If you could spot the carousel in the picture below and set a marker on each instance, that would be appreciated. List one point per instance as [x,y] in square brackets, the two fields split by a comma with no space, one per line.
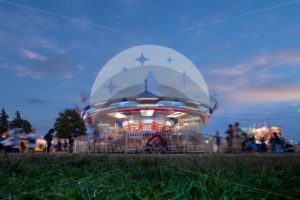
[148,98]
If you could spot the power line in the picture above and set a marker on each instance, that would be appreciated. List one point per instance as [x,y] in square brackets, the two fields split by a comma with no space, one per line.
[62,16]
[241,15]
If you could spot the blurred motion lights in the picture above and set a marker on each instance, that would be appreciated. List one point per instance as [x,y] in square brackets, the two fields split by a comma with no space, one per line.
[117,115]
[176,114]
[147,113]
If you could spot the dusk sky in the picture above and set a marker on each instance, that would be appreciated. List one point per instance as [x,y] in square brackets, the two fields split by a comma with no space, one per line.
[248,52]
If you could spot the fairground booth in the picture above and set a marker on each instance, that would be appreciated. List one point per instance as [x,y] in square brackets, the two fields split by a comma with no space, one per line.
[149,97]
[265,133]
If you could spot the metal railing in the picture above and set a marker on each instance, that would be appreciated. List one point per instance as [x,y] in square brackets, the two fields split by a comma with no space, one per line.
[174,144]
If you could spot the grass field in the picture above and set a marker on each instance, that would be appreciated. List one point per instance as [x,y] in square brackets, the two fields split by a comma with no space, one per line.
[95,176]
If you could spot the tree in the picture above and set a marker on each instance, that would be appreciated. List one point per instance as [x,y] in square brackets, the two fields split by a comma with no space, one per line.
[18,122]
[3,121]
[69,122]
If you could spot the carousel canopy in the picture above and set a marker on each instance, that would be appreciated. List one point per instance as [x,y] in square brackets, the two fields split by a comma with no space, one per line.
[150,71]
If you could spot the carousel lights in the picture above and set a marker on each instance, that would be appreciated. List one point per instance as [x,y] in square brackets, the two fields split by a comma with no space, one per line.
[176,114]
[168,123]
[146,99]
[117,115]
[103,125]
[147,113]
[170,103]
[123,104]
[146,105]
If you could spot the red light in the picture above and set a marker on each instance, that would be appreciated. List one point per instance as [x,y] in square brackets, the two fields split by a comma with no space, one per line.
[5,135]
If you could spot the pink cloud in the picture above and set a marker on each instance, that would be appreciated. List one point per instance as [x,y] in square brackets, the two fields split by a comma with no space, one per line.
[283,94]
[261,62]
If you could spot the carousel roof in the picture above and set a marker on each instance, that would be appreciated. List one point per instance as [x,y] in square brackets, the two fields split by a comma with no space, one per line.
[168,75]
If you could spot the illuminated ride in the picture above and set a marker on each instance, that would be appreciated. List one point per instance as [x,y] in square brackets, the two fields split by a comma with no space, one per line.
[265,132]
[152,95]
[10,141]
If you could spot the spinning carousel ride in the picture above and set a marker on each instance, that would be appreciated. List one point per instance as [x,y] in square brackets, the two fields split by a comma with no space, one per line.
[150,94]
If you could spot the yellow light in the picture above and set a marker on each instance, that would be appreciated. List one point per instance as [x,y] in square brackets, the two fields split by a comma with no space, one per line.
[147,113]
[117,115]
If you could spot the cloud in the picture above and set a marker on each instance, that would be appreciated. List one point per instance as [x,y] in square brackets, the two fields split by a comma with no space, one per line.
[24,71]
[21,32]
[225,85]
[283,94]
[259,79]
[250,34]
[225,19]
[34,101]
[27,30]
[57,67]
[294,28]
[221,47]
[58,15]
[32,55]
[27,44]
[39,55]
[24,22]
[3,62]
[261,62]
[67,83]
[45,43]
[80,67]
[129,6]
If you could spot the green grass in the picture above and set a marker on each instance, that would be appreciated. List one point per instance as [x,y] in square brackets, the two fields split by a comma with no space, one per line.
[95,176]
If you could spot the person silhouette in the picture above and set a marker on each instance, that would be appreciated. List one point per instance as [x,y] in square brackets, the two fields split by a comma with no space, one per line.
[49,137]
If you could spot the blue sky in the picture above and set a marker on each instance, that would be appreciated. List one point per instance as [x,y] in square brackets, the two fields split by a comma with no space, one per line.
[248,52]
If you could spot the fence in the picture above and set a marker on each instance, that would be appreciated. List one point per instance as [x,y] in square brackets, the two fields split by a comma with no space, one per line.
[146,143]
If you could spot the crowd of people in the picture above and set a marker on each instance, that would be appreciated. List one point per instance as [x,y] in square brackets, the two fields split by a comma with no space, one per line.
[59,145]
[238,140]
[53,144]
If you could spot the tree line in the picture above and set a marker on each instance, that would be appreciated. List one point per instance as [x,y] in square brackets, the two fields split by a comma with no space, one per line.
[67,124]
[17,122]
